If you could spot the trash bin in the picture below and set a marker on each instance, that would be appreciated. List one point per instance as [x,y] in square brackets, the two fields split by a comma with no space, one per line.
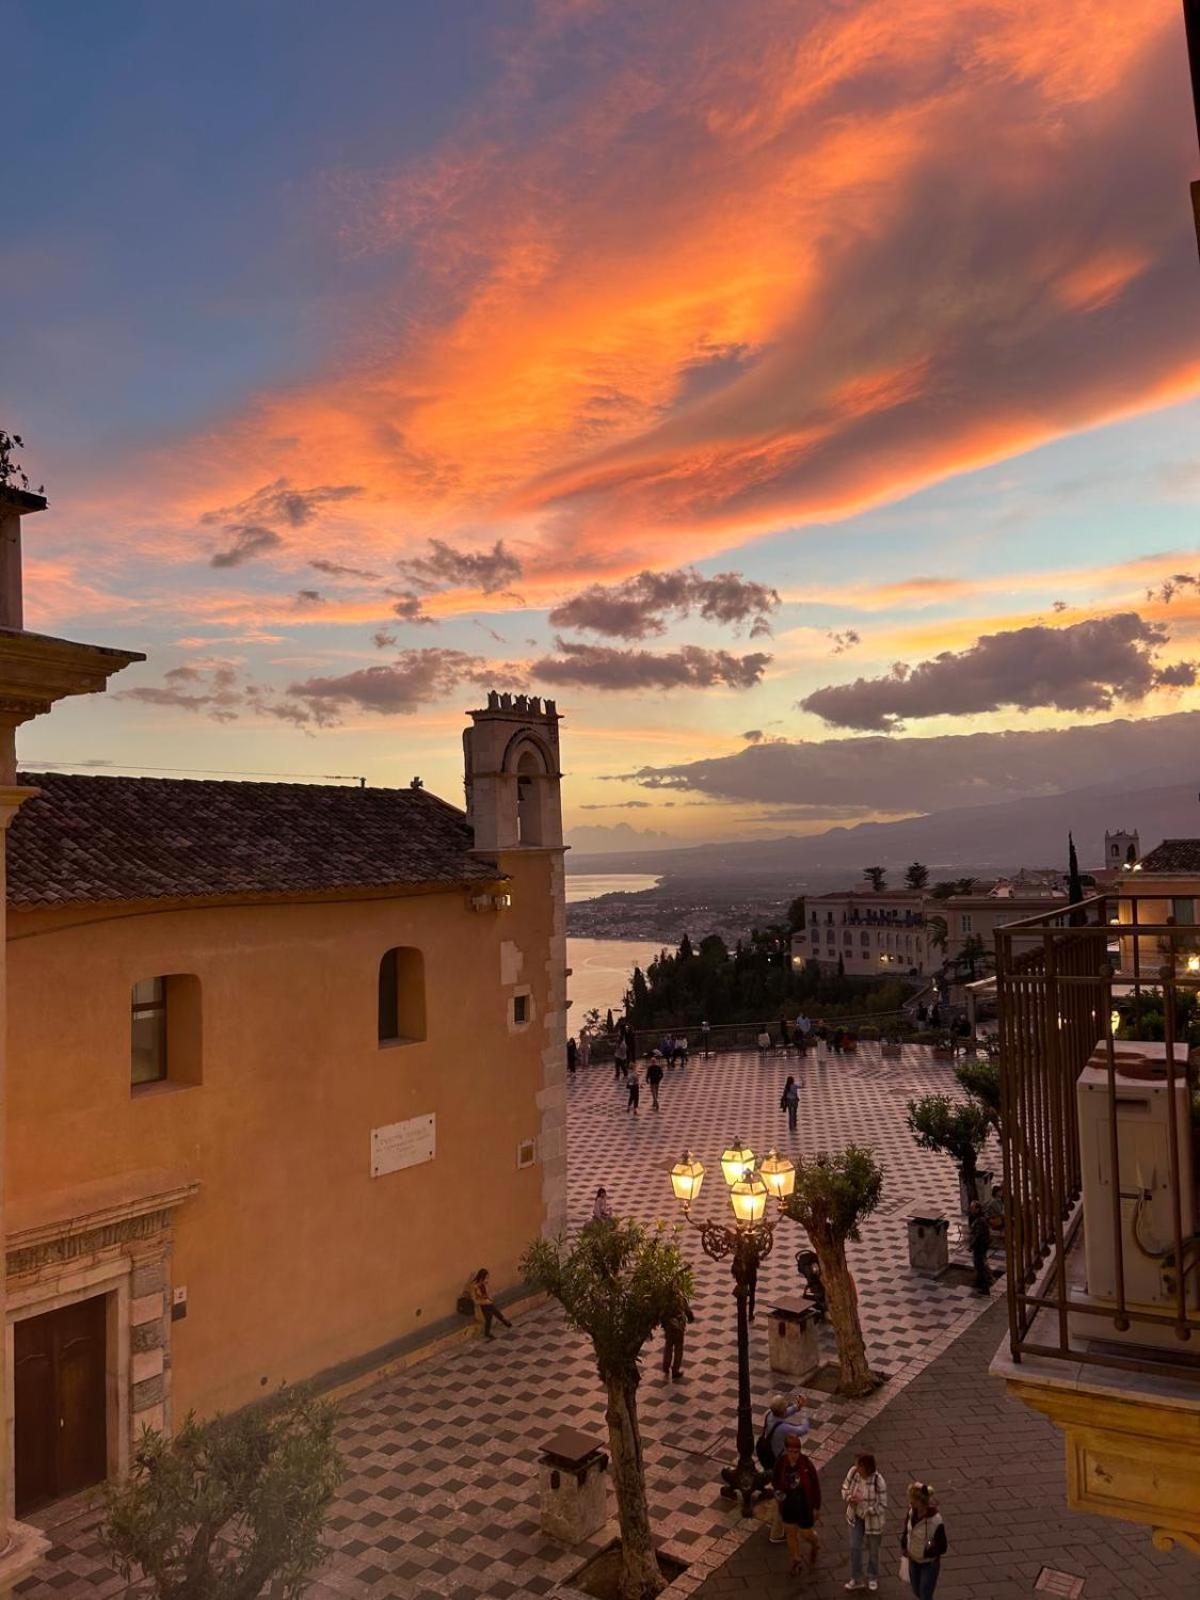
[792,1337]
[572,1486]
[928,1244]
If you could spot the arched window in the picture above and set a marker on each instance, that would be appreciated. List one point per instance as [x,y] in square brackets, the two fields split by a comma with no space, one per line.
[529,808]
[401,996]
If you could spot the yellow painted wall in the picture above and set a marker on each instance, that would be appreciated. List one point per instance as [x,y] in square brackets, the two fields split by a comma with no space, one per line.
[294,1258]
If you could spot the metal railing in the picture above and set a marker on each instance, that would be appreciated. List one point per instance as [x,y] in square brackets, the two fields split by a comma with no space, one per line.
[744,1035]
[1099,1112]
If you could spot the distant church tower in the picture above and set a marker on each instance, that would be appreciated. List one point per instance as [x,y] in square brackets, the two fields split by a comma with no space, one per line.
[514,805]
[1121,848]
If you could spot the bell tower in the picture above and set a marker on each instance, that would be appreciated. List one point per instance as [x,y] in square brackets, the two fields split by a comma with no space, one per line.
[514,806]
[513,777]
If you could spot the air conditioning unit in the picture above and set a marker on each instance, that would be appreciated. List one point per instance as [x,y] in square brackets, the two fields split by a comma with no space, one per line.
[1147,1208]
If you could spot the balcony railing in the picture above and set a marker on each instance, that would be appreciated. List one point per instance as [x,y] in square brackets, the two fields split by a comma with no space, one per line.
[1098,1117]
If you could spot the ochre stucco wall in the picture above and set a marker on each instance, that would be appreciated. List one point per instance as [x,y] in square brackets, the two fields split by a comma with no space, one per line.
[294,1258]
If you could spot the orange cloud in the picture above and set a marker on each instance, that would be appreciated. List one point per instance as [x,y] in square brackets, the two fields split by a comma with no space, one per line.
[755,270]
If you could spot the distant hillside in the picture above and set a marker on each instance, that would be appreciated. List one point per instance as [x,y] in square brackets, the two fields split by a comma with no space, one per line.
[990,838]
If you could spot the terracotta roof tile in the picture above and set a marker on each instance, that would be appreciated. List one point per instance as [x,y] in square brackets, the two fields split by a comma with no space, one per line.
[1173,855]
[86,840]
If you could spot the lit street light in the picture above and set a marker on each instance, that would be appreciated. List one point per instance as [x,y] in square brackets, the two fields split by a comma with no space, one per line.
[748,1240]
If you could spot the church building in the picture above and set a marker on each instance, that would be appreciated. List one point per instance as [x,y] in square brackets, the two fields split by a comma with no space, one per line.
[285,1066]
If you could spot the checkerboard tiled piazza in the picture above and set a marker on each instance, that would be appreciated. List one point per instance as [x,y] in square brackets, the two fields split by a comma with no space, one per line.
[441,1493]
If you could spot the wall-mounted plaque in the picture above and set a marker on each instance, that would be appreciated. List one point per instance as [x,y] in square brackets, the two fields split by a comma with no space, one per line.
[402,1144]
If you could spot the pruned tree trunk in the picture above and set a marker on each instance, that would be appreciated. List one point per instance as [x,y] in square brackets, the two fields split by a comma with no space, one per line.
[641,1578]
[854,1371]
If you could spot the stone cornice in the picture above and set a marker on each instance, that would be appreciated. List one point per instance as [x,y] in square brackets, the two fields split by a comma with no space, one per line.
[94,1206]
[36,670]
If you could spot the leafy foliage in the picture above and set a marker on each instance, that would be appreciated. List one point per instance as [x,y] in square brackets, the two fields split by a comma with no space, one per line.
[756,982]
[11,473]
[956,1128]
[835,1192]
[917,875]
[980,1079]
[938,931]
[616,1283]
[876,877]
[227,1506]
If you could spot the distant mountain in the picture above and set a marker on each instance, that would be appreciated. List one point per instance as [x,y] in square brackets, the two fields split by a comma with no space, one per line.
[989,838]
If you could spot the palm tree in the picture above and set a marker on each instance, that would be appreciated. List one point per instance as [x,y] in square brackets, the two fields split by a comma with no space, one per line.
[937,931]
[877,877]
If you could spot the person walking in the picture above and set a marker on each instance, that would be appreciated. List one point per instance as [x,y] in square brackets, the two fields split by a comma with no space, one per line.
[922,1541]
[620,1058]
[798,1493]
[635,1093]
[865,1493]
[572,1054]
[979,1237]
[486,1309]
[786,1415]
[585,1050]
[674,1328]
[654,1077]
[602,1210]
[789,1101]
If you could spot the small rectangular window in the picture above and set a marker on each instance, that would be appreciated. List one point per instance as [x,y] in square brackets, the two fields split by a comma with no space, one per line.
[401,993]
[148,1027]
[521,1008]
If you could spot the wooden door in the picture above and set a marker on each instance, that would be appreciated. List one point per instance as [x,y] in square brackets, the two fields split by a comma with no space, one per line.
[60,1422]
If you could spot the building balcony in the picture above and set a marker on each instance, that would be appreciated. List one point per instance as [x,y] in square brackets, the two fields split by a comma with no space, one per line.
[1100,1134]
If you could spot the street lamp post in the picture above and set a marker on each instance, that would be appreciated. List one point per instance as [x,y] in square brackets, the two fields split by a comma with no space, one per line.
[746,1242]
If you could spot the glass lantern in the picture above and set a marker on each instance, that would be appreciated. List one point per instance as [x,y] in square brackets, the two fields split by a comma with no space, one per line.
[779,1175]
[686,1177]
[736,1160]
[748,1197]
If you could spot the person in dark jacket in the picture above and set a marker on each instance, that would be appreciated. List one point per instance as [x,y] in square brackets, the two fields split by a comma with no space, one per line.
[789,1101]
[798,1493]
[674,1326]
[572,1054]
[979,1236]
[654,1076]
[635,1092]
[923,1540]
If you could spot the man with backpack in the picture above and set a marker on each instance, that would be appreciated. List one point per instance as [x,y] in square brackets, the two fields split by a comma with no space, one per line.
[786,1416]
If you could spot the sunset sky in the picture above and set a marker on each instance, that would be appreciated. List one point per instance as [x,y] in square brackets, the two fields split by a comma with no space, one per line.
[821,371]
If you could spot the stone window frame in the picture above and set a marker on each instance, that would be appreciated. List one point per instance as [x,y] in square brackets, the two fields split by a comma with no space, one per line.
[521,992]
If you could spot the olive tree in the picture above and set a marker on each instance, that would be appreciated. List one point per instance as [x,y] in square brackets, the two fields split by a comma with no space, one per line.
[229,1508]
[958,1129]
[616,1283]
[832,1195]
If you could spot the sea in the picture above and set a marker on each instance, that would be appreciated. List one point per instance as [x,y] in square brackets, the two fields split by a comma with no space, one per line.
[600,968]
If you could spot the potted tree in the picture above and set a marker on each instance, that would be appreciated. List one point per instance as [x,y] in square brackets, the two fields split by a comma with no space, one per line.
[831,1197]
[958,1129]
[616,1284]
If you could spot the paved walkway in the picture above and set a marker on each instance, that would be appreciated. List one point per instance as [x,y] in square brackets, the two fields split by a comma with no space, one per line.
[441,1493]
[999,1473]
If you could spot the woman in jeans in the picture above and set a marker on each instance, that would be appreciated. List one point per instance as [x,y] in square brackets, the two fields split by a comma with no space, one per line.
[485,1307]
[923,1540]
[865,1494]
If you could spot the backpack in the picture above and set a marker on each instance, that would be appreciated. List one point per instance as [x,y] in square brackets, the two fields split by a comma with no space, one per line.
[763,1449]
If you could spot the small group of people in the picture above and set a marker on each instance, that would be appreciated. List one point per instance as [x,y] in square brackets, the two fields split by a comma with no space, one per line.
[796,1507]
[673,1048]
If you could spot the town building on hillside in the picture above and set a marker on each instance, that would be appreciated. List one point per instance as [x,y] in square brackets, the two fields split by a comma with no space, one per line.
[286,1066]
[1162,890]
[872,932]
